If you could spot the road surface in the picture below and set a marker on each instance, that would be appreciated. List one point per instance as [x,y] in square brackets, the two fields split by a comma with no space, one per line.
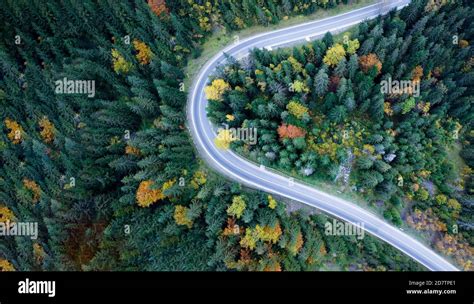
[242,171]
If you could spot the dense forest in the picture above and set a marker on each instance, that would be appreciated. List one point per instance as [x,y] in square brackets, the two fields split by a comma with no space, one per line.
[383,111]
[111,177]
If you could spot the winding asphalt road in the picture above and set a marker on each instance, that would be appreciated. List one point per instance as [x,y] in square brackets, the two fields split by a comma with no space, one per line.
[242,171]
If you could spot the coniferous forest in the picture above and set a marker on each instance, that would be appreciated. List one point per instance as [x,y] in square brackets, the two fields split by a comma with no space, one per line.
[114,182]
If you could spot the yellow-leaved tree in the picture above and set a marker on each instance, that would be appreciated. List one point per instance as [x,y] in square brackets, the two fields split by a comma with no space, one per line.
[269,234]
[299,86]
[5,265]
[261,233]
[199,179]
[216,89]
[297,109]
[33,188]
[297,66]
[16,133]
[131,150]
[119,63]
[417,73]
[237,207]
[144,53]
[6,215]
[168,184]
[146,195]
[334,55]
[387,108]
[181,216]
[47,130]
[249,240]
[352,46]
[272,203]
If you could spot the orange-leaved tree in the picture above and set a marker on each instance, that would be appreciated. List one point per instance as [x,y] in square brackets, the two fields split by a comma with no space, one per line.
[290,131]
[366,62]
